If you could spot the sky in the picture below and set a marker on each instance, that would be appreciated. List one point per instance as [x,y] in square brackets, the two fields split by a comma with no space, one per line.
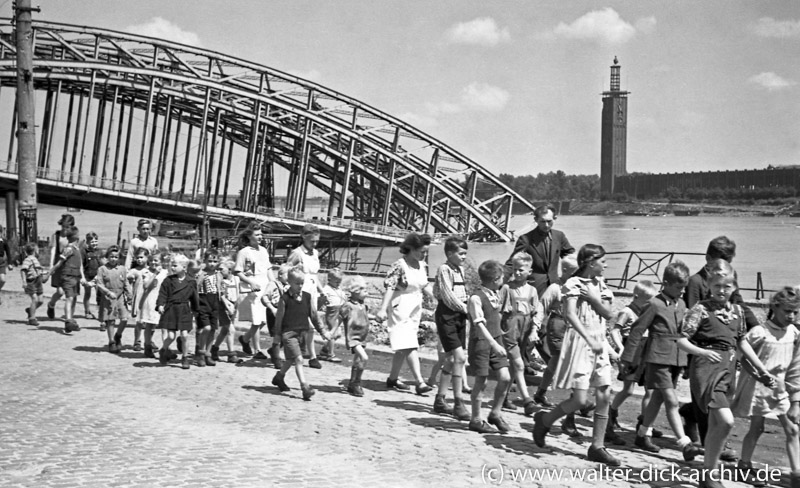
[516,85]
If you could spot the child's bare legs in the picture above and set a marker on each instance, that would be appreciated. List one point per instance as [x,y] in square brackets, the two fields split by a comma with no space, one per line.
[669,398]
[309,338]
[224,332]
[792,443]
[54,299]
[412,359]
[720,423]
[576,401]
[751,438]
[518,372]
[503,384]
[438,367]
[34,305]
[626,392]
[148,334]
[167,336]
[69,307]
[87,298]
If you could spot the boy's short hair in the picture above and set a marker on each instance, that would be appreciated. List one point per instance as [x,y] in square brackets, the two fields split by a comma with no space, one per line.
[310,229]
[356,283]
[30,248]
[144,222]
[645,288]
[721,248]
[153,257]
[66,219]
[454,244]
[210,253]
[490,270]
[719,267]
[522,257]
[285,268]
[296,273]
[112,249]
[336,274]
[72,234]
[92,235]
[180,259]
[226,263]
[676,272]
[788,295]
[142,250]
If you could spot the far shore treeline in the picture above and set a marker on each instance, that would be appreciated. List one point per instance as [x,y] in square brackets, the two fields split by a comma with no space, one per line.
[559,186]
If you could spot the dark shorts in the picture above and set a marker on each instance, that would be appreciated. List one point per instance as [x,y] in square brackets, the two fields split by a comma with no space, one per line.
[34,286]
[661,376]
[451,327]
[208,312]
[514,325]
[482,358]
[556,328]
[55,279]
[291,344]
[71,286]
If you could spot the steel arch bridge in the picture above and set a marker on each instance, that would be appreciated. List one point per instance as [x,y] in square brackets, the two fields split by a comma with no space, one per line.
[130,122]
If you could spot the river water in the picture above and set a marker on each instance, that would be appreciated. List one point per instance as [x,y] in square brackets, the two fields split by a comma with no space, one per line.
[769,245]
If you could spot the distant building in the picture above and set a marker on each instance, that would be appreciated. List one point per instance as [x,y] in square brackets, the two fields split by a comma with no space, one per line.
[614,133]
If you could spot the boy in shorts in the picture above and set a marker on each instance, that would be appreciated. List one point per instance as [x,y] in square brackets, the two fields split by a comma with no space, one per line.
[92,260]
[32,275]
[485,348]
[663,359]
[451,325]
[70,264]
[294,312]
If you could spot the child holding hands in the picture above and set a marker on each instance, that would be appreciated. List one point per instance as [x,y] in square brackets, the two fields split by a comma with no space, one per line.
[584,360]
[177,302]
[355,316]
[712,331]
[112,282]
[485,347]
[777,344]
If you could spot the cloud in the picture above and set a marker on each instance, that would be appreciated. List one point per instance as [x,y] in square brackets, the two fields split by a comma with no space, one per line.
[771,81]
[160,28]
[483,97]
[481,32]
[604,26]
[769,27]
[475,97]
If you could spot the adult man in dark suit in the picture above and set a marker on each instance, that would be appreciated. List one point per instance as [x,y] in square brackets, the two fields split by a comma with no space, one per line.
[546,246]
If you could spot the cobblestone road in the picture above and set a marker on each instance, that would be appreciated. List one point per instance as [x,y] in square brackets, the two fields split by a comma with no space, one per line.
[75,415]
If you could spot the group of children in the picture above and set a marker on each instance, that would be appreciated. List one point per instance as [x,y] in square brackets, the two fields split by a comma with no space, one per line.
[657,338]
[654,340]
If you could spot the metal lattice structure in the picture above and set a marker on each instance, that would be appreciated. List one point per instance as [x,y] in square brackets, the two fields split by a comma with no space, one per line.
[138,118]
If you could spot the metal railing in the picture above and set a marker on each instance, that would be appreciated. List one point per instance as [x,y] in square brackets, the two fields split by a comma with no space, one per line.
[649,265]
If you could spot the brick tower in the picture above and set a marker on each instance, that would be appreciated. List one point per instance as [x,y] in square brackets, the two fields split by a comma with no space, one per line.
[614,132]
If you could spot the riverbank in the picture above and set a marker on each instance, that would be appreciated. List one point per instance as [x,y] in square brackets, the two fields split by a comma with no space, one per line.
[650,208]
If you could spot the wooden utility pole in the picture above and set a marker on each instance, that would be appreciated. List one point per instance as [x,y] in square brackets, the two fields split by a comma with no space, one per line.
[26,131]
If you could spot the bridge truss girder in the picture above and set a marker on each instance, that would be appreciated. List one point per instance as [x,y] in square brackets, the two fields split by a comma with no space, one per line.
[129,108]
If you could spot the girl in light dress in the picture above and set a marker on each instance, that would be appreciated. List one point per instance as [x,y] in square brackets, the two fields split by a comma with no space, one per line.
[584,361]
[777,344]
[148,283]
[135,279]
[252,269]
